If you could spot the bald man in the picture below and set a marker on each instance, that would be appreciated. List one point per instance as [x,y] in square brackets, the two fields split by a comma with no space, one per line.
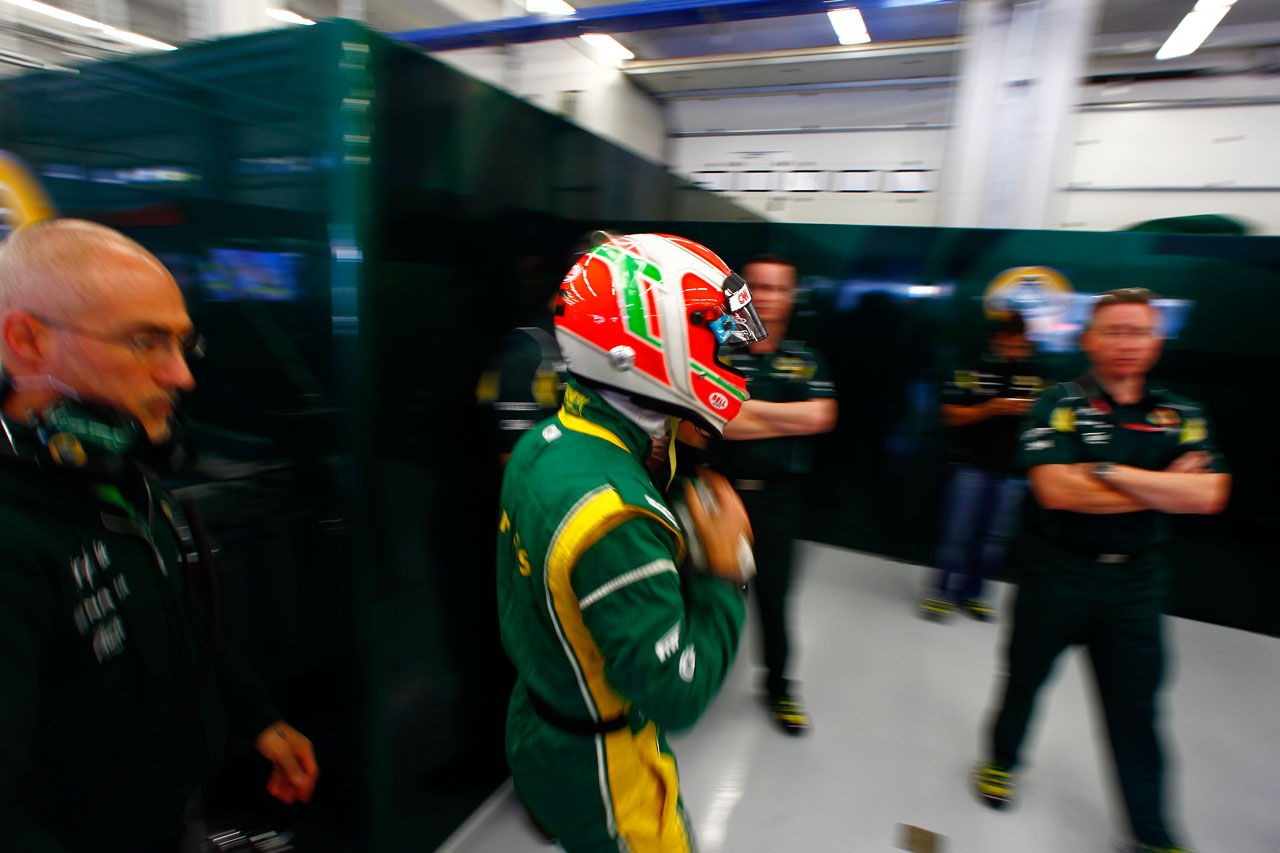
[116,700]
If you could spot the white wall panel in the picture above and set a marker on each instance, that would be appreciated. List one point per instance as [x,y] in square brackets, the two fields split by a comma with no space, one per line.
[1219,146]
[1109,211]
[603,100]
[854,174]
[1158,149]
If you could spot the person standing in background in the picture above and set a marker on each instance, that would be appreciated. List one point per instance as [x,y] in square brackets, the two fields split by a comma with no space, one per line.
[983,407]
[766,455]
[1108,456]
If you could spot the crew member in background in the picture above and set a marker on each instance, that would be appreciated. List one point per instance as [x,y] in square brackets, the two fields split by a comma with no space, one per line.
[115,701]
[983,407]
[611,645]
[525,383]
[1107,457]
[766,456]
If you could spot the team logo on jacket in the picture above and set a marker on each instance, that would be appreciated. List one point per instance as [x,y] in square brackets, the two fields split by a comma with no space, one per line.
[667,645]
[67,450]
[1164,418]
[97,615]
[688,662]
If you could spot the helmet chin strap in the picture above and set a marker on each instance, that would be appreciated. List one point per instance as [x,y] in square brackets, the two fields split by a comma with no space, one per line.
[656,424]
[46,382]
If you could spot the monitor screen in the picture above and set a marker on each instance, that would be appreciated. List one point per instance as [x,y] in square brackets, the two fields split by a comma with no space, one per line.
[229,275]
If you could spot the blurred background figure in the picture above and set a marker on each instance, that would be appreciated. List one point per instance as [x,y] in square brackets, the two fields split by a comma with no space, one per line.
[982,406]
[117,693]
[1107,456]
[525,383]
[766,456]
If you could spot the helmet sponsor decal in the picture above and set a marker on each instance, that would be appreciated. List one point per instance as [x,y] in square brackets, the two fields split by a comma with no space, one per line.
[718,401]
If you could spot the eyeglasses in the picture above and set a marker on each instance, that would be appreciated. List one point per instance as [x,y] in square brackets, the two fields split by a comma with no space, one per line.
[151,348]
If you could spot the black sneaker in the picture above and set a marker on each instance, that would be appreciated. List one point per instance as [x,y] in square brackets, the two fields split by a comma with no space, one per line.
[936,609]
[978,609]
[995,786]
[789,714]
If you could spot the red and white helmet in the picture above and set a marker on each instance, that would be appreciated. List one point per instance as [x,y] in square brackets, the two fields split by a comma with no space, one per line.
[646,313]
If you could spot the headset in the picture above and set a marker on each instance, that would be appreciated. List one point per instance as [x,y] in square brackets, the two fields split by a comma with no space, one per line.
[90,438]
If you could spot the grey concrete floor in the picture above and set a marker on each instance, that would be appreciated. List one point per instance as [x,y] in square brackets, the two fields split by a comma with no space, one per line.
[898,704]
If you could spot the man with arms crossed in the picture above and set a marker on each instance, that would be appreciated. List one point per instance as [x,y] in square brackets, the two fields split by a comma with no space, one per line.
[1107,456]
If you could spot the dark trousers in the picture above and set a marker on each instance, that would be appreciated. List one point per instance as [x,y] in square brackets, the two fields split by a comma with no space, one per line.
[775,516]
[979,515]
[1114,611]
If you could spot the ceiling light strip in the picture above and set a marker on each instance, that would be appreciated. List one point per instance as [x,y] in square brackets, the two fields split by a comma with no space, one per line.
[106,30]
[1194,28]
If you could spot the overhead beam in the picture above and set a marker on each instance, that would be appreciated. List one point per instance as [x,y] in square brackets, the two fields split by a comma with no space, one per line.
[808,88]
[625,18]
[826,53]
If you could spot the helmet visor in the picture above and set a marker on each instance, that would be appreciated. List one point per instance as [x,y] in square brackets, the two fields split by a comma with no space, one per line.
[737,323]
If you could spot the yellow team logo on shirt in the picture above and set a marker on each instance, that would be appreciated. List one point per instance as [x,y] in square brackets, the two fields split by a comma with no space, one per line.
[67,450]
[545,385]
[791,364]
[487,387]
[1193,430]
[522,556]
[574,400]
[1063,419]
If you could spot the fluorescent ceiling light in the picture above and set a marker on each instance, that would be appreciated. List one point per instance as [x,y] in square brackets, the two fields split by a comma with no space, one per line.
[89,24]
[1194,28]
[548,7]
[849,26]
[287,17]
[135,38]
[607,46]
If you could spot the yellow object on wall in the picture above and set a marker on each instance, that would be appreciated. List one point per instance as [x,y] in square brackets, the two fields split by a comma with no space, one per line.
[22,199]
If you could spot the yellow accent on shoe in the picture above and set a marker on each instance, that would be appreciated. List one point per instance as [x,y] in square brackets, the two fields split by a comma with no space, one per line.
[789,714]
[978,609]
[994,786]
[936,608]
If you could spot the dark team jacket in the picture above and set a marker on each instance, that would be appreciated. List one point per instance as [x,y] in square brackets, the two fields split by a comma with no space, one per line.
[793,374]
[106,727]
[1078,422]
[525,383]
[991,444]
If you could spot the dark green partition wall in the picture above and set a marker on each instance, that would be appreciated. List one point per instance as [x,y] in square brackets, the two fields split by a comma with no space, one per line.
[356,225]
